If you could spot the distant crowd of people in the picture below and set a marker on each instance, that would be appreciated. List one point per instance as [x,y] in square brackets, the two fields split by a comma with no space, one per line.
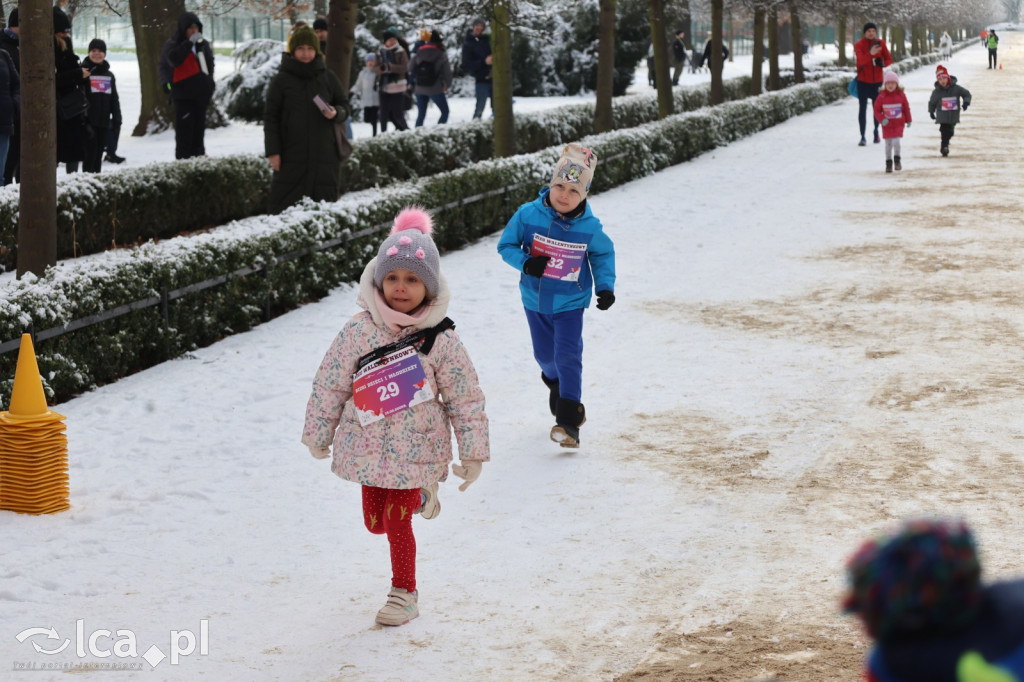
[307,113]
[681,58]
[88,110]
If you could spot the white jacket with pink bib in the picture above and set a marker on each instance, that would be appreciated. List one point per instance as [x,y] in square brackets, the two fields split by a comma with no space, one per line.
[411,448]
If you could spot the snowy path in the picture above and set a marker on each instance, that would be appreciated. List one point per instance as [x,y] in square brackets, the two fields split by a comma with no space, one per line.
[803,349]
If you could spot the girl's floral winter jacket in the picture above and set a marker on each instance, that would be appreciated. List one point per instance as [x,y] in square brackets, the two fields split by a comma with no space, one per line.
[412,448]
[895,107]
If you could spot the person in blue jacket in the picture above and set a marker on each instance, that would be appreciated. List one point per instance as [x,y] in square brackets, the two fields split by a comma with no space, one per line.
[563,254]
[920,596]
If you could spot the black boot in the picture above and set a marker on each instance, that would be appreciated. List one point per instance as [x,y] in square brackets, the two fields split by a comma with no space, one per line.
[552,385]
[897,165]
[888,165]
[569,417]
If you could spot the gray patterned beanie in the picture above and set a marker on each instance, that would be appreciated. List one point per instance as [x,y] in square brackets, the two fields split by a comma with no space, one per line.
[410,247]
[575,167]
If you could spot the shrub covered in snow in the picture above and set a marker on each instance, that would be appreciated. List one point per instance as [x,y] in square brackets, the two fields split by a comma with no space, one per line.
[187,292]
[243,92]
[98,211]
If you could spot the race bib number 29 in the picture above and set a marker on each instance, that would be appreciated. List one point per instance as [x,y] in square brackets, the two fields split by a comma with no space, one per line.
[389,385]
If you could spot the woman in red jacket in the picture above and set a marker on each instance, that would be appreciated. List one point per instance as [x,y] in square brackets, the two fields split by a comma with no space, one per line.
[872,58]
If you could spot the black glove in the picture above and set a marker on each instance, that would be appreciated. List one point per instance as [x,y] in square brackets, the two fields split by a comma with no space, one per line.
[965,106]
[932,114]
[535,266]
[877,61]
[605,300]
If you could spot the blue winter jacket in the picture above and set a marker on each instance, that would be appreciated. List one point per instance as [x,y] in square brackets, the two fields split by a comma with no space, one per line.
[997,635]
[546,295]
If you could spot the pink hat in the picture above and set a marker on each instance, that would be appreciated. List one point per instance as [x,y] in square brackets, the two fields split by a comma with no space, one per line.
[890,76]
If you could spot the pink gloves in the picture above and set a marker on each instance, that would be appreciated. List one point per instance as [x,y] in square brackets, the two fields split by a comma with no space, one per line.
[468,471]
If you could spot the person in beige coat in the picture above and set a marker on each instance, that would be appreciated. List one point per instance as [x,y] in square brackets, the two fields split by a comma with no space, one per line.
[388,394]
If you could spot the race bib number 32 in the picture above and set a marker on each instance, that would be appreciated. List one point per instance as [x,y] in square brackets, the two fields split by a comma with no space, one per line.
[950,103]
[389,385]
[566,257]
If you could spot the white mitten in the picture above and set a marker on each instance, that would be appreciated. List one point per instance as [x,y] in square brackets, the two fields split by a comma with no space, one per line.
[319,452]
[468,471]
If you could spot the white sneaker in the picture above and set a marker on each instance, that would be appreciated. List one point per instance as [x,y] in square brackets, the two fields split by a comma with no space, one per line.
[431,506]
[401,607]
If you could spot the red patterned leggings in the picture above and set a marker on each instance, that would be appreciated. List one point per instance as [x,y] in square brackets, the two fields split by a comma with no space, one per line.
[387,511]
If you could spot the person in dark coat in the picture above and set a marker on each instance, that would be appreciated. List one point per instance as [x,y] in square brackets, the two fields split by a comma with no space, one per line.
[72,129]
[10,42]
[10,103]
[186,71]
[104,104]
[305,101]
[678,56]
[433,77]
[706,57]
[320,26]
[476,61]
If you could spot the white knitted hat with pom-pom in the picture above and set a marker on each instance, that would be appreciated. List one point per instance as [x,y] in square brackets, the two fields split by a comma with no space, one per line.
[410,247]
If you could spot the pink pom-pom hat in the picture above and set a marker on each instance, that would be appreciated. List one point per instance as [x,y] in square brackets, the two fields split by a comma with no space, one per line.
[410,247]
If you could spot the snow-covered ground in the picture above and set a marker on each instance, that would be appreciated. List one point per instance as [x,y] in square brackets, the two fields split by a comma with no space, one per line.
[803,350]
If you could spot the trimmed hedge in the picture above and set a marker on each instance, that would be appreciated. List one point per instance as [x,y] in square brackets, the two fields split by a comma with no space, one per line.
[97,212]
[129,206]
[78,360]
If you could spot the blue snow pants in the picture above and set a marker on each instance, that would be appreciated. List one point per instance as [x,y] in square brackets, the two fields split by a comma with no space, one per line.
[558,348]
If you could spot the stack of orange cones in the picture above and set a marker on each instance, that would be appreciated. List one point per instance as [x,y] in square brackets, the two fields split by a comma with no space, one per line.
[33,445]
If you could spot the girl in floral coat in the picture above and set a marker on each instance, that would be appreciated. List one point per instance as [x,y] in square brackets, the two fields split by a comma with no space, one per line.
[394,384]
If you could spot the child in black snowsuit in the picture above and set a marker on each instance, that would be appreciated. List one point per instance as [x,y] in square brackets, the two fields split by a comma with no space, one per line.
[945,105]
[104,105]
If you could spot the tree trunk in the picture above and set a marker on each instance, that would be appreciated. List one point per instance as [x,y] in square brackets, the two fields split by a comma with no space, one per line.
[772,27]
[153,22]
[756,70]
[717,63]
[501,75]
[798,43]
[841,36]
[662,77]
[341,38]
[320,10]
[604,120]
[37,217]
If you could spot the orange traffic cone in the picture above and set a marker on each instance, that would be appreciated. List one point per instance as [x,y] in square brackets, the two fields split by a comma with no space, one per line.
[33,446]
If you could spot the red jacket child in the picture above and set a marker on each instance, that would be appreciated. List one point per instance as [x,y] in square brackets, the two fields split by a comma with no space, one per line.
[892,109]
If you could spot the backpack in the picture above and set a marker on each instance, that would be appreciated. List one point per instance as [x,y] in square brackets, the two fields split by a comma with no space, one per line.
[425,73]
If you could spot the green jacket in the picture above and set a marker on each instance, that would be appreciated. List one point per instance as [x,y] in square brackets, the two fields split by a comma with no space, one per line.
[993,42]
[294,128]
